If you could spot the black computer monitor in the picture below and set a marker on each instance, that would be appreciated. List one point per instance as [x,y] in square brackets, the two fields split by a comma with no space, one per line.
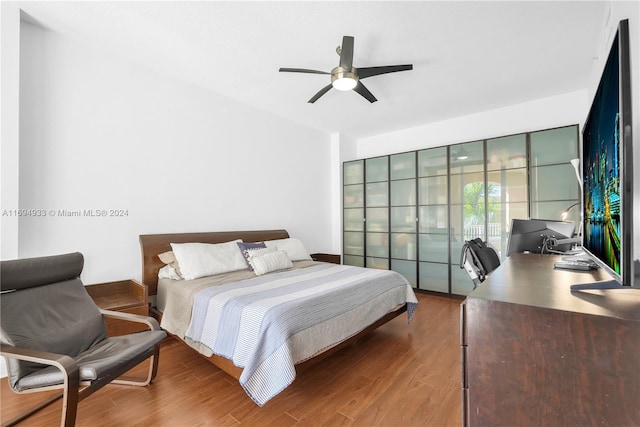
[539,236]
[607,166]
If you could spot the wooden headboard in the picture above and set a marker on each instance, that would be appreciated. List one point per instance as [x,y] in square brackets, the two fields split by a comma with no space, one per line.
[154,244]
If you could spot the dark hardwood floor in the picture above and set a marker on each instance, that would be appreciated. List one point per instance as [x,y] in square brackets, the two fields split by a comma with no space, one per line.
[399,375]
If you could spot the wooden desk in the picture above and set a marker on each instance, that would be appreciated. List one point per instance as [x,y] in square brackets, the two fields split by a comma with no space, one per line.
[534,353]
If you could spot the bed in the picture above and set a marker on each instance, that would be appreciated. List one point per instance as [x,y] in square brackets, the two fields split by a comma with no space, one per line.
[263,329]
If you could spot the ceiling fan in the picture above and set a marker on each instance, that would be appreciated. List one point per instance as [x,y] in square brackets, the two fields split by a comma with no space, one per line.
[345,76]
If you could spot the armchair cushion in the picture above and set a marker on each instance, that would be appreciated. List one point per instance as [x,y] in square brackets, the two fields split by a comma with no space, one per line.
[62,319]
[32,272]
[99,361]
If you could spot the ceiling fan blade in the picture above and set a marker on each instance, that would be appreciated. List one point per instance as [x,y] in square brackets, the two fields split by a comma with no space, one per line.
[365,92]
[365,72]
[346,53]
[301,70]
[320,93]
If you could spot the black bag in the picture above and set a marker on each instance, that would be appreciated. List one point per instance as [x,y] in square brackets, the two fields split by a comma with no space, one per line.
[478,260]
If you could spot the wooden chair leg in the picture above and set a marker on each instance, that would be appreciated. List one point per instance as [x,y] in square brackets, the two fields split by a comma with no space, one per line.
[155,360]
[153,370]
[70,401]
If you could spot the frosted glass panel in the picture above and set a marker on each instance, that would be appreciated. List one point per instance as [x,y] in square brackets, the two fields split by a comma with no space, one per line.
[353,243]
[467,188]
[433,191]
[378,194]
[354,219]
[500,222]
[354,172]
[403,219]
[377,219]
[407,269]
[456,249]
[507,153]
[378,245]
[433,219]
[354,196]
[403,193]
[553,210]
[507,185]
[403,246]
[434,277]
[503,213]
[461,284]
[545,182]
[554,146]
[377,169]
[434,247]
[432,162]
[467,157]
[468,221]
[403,165]
[379,263]
[358,261]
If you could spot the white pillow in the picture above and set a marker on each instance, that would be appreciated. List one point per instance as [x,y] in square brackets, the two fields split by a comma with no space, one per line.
[266,262]
[206,259]
[170,259]
[292,246]
[168,272]
[261,251]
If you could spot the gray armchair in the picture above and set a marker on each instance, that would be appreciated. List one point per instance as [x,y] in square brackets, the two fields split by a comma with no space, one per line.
[53,336]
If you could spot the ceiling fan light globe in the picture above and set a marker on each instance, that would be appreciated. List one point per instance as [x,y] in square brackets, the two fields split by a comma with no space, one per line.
[342,79]
[344,83]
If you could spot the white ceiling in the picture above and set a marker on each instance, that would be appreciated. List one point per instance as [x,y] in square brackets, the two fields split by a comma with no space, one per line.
[468,56]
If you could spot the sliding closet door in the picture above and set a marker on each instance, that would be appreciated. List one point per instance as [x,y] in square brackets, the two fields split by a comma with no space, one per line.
[353,213]
[466,207]
[550,162]
[377,212]
[404,240]
[507,190]
[433,219]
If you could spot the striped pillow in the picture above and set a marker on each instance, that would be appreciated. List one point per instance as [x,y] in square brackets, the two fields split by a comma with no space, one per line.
[248,249]
[264,263]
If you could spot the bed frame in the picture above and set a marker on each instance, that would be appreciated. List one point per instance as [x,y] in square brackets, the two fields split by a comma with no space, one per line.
[154,244]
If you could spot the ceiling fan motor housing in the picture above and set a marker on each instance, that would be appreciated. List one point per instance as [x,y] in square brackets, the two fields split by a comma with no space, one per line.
[346,79]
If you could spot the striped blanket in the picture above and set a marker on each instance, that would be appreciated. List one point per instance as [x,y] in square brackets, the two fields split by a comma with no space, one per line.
[267,324]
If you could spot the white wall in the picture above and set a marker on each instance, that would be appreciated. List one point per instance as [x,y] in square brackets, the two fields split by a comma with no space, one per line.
[100,133]
[556,111]
[9,130]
